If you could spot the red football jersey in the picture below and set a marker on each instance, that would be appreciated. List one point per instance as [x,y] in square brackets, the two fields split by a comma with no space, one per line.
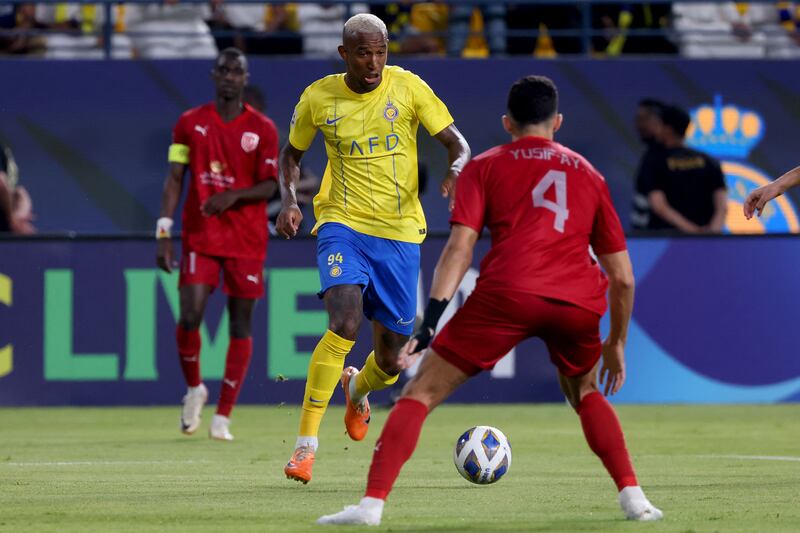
[544,205]
[233,155]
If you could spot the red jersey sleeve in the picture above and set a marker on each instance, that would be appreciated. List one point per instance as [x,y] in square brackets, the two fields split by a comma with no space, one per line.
[268,153]
[470,204]
[607,234]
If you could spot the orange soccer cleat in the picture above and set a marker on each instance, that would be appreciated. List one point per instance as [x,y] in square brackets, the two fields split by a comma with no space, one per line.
[356,417]
[300,465]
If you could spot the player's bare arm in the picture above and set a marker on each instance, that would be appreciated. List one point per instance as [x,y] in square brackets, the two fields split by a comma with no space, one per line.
[454,262]
[290,217]
[6,206]
[757,199]
[660,206]
[171,195]
[720,211]
[224,200]
[458,154]
[621,286]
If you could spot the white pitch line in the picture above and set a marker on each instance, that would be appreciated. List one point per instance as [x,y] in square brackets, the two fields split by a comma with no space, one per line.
[97,463]
[754,457]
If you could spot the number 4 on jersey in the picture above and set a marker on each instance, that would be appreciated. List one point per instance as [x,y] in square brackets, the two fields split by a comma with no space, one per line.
[559,207]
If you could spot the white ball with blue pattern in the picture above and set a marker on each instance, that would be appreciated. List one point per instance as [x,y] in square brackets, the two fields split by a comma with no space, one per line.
[482,455]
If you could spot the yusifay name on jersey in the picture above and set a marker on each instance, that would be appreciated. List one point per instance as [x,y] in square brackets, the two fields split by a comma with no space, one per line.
[391,142]
[546,154]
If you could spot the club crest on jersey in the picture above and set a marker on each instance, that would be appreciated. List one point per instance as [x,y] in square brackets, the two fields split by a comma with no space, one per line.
[216,167]
[249,141]
[336,271]
[390,112]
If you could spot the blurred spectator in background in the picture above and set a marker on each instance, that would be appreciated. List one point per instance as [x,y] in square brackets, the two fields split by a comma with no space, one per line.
[309,182]
[264,29]
[648,127]
[543,18]
[20,17]
[169,31]
[617,19]
[16,207]
[736,29]
[477,31]
[414,27]
[321,26]
[685,188]
[78,31]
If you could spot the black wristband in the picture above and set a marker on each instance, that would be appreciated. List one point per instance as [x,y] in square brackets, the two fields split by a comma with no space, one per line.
[433,312]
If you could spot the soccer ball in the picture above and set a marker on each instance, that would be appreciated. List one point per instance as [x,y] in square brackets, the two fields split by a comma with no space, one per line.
[482,455]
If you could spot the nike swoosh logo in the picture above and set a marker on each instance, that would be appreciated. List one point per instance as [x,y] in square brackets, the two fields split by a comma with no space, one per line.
[329,121]
[401,322]
[313,400]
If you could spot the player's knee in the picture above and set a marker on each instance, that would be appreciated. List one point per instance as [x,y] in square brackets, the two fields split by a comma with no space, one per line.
[190,320]
[423,391]
[345,325]
[240,329]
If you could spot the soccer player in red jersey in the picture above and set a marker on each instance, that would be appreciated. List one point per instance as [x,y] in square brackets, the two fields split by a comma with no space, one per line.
[544,205]
[231,151]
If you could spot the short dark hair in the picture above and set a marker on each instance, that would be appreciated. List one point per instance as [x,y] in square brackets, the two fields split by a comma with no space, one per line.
[231,52]
[676,119]
[532,100]
[654,106]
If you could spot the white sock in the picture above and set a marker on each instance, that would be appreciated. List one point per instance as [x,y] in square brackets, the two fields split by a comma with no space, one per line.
[636,506]
[355,397]
[194,389]
[307,441]
[373,505]
[633,492]
[220,418]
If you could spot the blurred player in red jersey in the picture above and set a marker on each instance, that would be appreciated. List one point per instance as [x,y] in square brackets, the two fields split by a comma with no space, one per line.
[544,206]
[231,151]
[758,198]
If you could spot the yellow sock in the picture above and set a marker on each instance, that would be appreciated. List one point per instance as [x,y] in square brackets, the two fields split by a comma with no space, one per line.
[324,372]
[372,378]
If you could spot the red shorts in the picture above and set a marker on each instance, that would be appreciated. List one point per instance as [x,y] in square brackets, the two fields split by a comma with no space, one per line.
[244,278]
[490,324]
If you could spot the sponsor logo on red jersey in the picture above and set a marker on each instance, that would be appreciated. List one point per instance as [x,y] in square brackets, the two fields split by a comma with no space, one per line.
[249,141]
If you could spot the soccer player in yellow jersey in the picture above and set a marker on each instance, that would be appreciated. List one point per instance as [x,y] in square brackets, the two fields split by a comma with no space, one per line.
[369,222]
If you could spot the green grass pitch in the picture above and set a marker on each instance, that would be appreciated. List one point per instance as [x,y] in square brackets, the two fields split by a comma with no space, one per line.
[731,468]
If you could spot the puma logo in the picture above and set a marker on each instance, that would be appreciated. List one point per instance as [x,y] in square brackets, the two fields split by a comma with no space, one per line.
[202,130]
[251,277]
[230,383]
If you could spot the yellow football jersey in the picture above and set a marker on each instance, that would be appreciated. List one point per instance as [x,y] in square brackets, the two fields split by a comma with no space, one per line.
[370,183]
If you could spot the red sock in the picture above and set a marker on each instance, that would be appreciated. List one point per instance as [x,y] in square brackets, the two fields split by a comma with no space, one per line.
[236,363]
[604,435]
[395,446]
[189,353]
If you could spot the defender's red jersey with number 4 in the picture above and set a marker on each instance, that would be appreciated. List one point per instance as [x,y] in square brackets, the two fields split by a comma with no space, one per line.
[544,206]
[222,156]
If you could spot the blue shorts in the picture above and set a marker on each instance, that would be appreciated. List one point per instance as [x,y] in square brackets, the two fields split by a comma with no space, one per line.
[387,270]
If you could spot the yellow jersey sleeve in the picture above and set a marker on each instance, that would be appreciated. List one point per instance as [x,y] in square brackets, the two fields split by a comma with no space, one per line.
[178,153]
[432,112]
[302,128]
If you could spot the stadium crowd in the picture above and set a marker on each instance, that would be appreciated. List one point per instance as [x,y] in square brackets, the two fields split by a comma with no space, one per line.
[183,30]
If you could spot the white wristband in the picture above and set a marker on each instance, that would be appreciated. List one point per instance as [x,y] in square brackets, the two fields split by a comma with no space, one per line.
[163,227]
